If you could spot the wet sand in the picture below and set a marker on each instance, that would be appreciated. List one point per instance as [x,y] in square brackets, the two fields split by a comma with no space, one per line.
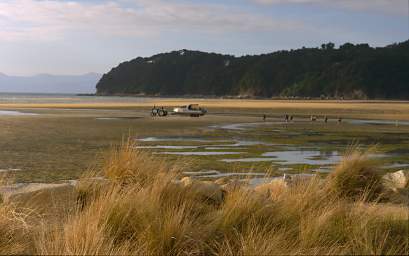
[384,110]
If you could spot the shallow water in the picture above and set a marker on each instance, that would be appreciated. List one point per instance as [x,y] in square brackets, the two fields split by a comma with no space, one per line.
[210,172]
[15,113]
[177,138]
[166,147]
[10,170]
[203,153]
[106,118]
[311,157]
[286,155]
[323,170]
[218,148]
[249,159]
[377,122]
[218,174]
[396,165]
[242,126]
[237,143]
[253,182]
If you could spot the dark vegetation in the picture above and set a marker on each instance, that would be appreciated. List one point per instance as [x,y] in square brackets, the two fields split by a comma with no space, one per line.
[350,71]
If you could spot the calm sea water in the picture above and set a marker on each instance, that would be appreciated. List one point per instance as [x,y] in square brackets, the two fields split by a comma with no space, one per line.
[64,98]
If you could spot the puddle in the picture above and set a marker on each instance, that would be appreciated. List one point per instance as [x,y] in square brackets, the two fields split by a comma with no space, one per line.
[250,159]
[166,147]
[194,139]
[254,182]
[203,153]
[323,170]
[10,170]
[396,165]
[247,126]
[217,148]
[106,118]
[289,154]
[15,113]
[241,143]
[200,173]
[377,122]
[283,169]
[308,157]
[217,174]
[237,143]
[242,126]
[311,157]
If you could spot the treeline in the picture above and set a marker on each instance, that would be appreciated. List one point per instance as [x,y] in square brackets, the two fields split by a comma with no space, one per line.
[350,71]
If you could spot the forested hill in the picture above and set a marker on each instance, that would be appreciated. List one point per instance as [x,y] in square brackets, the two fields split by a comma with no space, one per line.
[350,71]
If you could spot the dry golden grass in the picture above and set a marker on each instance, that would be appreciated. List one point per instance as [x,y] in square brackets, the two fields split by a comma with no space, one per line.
[143,208]
[355,176]
[154,214]
[14,230]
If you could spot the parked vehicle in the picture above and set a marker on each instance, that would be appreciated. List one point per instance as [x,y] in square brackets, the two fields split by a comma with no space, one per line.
[159,111]
[192,110]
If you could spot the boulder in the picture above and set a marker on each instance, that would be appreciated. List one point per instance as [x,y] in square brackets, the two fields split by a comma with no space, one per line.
[291,179]
[186,181]
[206,189]
[223,181]
[272,189]
[234,185]
[396,180]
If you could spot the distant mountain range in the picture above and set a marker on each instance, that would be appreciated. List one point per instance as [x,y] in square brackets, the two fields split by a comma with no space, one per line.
[350,71]
[45,83]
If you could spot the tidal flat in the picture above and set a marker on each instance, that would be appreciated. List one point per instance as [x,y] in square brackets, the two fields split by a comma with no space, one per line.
[60,141]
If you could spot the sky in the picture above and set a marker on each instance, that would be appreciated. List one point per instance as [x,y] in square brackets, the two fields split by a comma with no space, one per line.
[81,36]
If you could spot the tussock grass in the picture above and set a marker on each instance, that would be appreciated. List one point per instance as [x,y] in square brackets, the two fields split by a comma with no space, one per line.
[128,165]
[143,208]
[356,176]
[14,230]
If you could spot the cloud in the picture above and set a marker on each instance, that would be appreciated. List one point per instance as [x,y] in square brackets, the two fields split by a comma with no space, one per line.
[55,19]
[399,7]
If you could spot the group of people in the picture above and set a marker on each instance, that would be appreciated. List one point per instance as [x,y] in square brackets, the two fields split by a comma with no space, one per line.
[289,118]
[314,118]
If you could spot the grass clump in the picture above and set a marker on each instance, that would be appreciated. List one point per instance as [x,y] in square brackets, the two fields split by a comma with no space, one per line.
[356,176]
[14,230]
[142,206]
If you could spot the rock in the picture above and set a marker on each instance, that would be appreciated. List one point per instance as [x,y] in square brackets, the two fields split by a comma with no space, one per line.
[273,188]
[223,181]
[291,179]
[205,189]
[186,181]
[396,180]
[234,185]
